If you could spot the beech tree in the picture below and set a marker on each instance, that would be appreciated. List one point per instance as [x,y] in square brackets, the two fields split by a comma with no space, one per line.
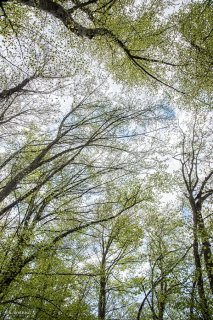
[53,183]
[164,272]
[197,174]
[128,36]
[97,218]
[195,26]
[116,252]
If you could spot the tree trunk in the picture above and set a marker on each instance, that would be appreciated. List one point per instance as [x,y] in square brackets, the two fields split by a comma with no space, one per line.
[202,233]
[199,277]
[102,295]
[206,249]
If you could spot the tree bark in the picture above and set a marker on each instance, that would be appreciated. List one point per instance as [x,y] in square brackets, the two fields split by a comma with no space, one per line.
[202,233]
[102,299]
[102,292]
[199,278]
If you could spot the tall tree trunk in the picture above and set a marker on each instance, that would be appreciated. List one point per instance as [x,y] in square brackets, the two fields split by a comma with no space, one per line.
[102,295]
[163,288]
[162,303]
[206,249]
[199,277]
[202,233]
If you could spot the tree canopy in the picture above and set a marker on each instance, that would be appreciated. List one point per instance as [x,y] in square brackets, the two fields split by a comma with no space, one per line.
[106,160]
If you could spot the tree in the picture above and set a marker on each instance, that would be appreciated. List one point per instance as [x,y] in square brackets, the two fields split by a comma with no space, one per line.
[165,272]
[197,178]
[52,183]
[85,230]
[195,27]
[123,30]
[115,244]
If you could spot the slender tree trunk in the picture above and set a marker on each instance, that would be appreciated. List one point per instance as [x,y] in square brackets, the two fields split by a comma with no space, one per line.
[203,235]
[206,249]
[162,303]
[102,299]
[199,277]
[163,288]
[102,294]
